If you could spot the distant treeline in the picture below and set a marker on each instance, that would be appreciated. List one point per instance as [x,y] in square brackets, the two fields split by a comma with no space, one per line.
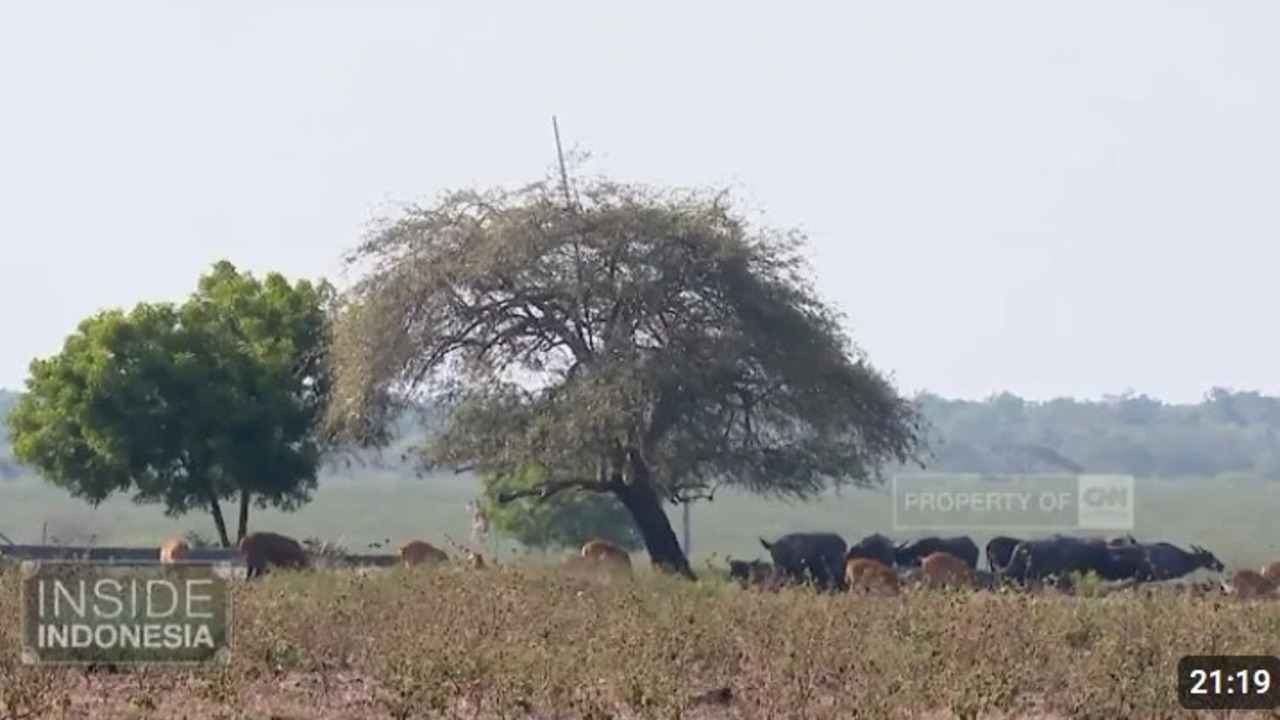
[1227,432]
[8,469]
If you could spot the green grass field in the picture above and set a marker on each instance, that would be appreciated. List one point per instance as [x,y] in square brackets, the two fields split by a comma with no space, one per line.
[1234,517]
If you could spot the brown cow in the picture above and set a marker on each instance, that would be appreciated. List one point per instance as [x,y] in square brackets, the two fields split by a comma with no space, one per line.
[605,551]
[594,569]
[1249,584]
[1271,571]
[264,549]
[418,552]
[868,575]
[943,569]
[174,550]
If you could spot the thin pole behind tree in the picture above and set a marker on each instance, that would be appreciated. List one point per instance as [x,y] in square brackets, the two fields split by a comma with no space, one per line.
[564,174]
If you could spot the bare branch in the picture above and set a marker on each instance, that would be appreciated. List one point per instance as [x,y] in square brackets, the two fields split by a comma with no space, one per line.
[545,491]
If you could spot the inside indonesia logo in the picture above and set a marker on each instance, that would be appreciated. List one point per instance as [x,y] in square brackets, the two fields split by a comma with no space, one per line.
[85,612]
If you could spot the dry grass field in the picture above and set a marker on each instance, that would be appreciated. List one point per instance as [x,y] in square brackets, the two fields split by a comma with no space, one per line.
[540,643]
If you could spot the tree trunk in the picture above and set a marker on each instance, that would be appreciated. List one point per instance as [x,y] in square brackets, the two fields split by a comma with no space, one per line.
[216,508]
[244,515]
[641,500]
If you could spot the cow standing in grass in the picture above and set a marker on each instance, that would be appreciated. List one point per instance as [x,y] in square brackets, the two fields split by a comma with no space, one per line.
[942,569]
[874,547]
[809,556]
[1000,552]
[174,550]
[752,573]
[267,549]
[420,552]
[603,551]
[1247,584]
[1058,556]
[910,554]
[1271,571]
[1169,561]
[871,576]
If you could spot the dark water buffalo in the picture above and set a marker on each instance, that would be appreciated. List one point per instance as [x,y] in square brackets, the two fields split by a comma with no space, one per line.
[909,554]
[804,556]
[1124,561]
[1116,559]
[1056,556]
[1169,561]
[1000,552]
[874,547]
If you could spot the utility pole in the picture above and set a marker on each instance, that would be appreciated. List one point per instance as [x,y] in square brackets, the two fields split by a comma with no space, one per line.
[564,174]
[688,532]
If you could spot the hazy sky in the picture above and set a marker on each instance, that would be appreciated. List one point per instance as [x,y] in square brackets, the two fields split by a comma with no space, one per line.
[1055,199]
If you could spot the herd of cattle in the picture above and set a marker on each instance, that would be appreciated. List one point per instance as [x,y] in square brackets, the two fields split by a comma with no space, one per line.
[876,563]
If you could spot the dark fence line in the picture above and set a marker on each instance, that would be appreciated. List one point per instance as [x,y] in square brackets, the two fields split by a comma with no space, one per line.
[144,554]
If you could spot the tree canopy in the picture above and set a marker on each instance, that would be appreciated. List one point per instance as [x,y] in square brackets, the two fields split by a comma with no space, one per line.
[186,405]
[565,520]
[653,345]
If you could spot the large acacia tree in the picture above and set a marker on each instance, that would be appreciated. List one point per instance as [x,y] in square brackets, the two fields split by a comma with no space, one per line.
[648,344]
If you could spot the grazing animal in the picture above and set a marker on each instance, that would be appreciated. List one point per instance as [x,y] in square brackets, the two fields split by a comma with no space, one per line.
[471,557]
[605,551]
[875,547]
[1271,571]
[909,554]
[418,552]
[752,572]
[805,556]
[1000,552]
[174,550]
[1124,561]
[870,575]
[595,568]
[1169,561]
[1057,556]
[1122,540]
[942,569]
[265,549]
[1247,584]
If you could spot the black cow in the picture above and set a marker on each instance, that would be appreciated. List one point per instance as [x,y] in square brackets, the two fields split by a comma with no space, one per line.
[1000,552]
[1124,561]
[909,554]
[874,547]
[1169,561]
[1057,556]
[804,556]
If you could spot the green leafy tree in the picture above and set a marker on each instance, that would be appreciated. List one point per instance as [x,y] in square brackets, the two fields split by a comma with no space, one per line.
[186,405]
[566,520]
[648,345]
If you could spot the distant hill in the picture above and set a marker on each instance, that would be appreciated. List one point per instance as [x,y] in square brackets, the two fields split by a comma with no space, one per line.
[1228,432]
